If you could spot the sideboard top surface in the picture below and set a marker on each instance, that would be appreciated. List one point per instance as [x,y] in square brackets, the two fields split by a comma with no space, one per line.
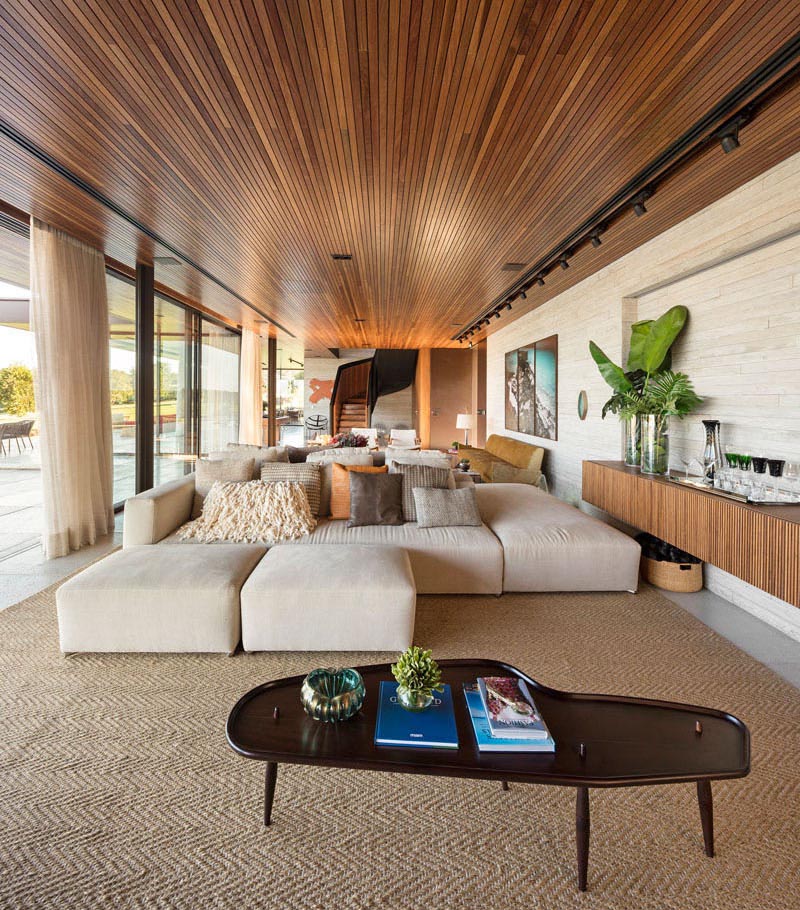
[790,513]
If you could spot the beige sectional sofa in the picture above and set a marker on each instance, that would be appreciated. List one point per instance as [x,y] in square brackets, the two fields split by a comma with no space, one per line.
[529,541]
[336,588]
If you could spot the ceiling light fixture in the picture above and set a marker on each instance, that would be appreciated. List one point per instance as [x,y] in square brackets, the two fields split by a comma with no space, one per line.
[522,294]
[729,138]
[563,262]
[638,203]
[341,257]
[496,314]
[508,303]
[540,280]
[596,241]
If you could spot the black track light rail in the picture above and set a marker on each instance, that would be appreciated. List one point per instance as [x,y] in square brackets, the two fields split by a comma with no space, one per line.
[724,118]
[54,165]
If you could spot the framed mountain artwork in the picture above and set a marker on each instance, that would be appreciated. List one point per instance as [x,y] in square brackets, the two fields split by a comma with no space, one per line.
[531,389]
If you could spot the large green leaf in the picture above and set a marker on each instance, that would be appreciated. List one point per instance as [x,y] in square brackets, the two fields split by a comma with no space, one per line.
[613,375]
[652,339]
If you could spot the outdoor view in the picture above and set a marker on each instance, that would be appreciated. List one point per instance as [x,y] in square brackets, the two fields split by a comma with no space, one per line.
[190,351]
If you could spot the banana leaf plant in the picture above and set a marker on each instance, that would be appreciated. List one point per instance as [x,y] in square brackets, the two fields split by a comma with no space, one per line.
[650,354]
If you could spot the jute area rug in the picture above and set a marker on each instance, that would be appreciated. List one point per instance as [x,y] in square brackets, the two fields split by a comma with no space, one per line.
[117,787]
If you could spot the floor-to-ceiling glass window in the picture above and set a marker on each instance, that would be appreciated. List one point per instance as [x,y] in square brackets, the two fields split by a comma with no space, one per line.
[219,386]
[20,465]
[175,390]
[122,372]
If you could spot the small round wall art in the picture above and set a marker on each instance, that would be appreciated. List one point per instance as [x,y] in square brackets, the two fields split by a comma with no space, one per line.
[583,405]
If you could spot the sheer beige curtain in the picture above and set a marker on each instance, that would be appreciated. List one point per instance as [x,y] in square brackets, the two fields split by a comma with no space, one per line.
[250,430]
[69,319]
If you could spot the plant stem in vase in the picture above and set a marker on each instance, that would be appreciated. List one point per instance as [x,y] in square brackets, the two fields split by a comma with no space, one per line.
[655,444]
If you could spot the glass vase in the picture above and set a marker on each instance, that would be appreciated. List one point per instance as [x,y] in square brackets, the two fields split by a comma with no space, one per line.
[413,699]
[655,444]
[632,428]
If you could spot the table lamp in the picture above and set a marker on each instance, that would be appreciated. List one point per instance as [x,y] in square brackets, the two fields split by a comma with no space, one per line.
[464,422]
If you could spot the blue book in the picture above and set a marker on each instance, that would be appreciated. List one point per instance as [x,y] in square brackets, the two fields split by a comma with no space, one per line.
[483,734]
[433,728]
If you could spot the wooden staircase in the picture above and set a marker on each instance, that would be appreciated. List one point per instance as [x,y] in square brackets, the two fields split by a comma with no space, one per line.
[353,414]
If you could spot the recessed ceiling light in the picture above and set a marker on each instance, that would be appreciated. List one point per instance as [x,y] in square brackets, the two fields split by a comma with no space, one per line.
[341,257]
[359,320]
[165,260]
[512,267]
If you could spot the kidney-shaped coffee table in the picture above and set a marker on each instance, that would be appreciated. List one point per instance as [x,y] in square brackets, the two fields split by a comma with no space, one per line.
[601,741]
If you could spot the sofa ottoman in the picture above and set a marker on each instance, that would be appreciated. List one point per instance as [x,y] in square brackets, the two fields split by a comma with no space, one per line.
[331,597]
[146,598]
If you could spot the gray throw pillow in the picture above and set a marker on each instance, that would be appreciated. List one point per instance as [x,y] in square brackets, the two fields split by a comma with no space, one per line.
[447,508]
[208,471]
[375,499]
[419,475]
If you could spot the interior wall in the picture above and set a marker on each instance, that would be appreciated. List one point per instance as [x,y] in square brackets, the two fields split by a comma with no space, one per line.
[478,435]
[736,266]
[395,411]
[451,394]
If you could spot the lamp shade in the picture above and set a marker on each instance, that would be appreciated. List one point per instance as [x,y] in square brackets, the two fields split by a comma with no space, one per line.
[464,422]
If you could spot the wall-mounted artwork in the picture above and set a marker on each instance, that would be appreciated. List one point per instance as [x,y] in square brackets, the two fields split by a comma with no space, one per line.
[531,382]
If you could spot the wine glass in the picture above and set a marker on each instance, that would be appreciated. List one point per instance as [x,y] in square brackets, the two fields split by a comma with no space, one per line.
[686,461]
[791,472]
[745,477]
[775,467]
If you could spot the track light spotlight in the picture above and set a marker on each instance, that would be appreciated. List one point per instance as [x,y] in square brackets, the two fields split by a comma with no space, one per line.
[470,344]
[596,241]
[540,280]
[508,303]
[496,314]
[729,140]
[638,203]
[563,262]
[522,295]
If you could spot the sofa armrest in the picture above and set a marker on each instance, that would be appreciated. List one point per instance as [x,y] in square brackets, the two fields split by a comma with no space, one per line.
[507,473]
[153,515]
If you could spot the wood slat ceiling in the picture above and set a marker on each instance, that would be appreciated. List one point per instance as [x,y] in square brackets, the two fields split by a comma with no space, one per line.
[432,140]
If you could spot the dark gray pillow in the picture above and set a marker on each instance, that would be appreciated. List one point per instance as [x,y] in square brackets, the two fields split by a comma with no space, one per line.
[375,499]
[418,475]
[447,508]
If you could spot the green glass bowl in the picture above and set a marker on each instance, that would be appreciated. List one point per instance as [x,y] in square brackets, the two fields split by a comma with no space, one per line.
[332,694]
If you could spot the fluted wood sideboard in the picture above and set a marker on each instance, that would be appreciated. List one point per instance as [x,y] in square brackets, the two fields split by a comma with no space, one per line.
[759,544]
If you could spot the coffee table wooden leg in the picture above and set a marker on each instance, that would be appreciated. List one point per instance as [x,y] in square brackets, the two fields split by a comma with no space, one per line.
[505,785]
[269,790]
[582,834]
[706,814]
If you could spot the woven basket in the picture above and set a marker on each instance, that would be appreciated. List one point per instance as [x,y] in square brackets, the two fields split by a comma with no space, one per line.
[684,577]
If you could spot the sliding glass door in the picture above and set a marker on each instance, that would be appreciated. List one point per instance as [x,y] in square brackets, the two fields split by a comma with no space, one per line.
[219,386]
[175,391]
[122,371]
[196,388]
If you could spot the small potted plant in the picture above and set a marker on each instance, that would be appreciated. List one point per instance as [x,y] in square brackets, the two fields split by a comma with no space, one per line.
[463,465]
[418,677]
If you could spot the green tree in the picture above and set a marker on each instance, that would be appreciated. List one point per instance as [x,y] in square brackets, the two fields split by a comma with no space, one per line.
[16,390]
[122,387]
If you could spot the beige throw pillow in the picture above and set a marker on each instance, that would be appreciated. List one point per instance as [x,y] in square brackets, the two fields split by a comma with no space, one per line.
[259,454]
[252,511]
[305,474]
[207,472]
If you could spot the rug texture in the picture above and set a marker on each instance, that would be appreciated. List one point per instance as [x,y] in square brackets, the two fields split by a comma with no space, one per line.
[117,787]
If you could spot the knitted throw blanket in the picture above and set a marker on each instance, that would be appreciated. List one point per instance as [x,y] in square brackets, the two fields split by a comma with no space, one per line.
[252,511]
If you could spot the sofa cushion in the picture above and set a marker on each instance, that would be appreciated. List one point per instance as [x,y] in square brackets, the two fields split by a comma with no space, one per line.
[549,545]
[259,454]
[375,499]
[328,457]
[446,508]
[419,475]
[329,598]
[306,474]
[340,486]
[514,451]
[209,471]
[443,560]
[155,514]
